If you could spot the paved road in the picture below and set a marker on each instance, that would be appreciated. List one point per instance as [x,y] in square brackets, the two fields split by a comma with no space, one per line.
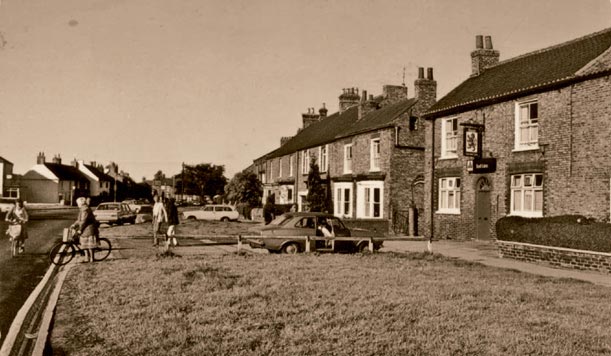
[19,276]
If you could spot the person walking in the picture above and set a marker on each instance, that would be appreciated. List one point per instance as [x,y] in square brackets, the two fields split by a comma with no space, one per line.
[86,228]
[17,217]
[173,220]
[159,217]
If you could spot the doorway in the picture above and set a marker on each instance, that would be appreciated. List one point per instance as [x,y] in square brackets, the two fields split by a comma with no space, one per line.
[482,209]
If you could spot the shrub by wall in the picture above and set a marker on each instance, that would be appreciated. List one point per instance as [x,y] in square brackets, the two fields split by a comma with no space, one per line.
[567,231]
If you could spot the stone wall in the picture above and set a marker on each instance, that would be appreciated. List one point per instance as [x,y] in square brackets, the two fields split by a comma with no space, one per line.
[556,256]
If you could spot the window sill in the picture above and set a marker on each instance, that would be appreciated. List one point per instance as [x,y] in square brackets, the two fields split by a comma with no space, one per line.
[447,158]
[448,212]
[525,148]
[375,170]
[527,214]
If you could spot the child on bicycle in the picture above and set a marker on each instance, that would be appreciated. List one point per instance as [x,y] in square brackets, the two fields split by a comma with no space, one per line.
[18,217]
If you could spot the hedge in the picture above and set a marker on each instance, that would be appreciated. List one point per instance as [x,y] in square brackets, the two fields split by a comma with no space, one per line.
[568,231]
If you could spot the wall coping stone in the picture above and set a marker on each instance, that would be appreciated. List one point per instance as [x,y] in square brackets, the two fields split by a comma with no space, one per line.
[555,248]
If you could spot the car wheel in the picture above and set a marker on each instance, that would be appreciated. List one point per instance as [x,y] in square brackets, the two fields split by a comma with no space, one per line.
[364,247]
[290,248]
[192,218]
[225,219]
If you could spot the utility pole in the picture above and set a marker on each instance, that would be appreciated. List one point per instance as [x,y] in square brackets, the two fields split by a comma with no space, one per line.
[182,182]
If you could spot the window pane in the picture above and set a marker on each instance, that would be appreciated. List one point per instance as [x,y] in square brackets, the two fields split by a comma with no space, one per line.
[539,200]
[376,195]
[376,210]
[457,200]
[528,200]
[457,183]
[538,180]
[523,114]
[442,200]
[517,200]
[450,199]
[517,181]
[534,111]
[527,180]
[443,184]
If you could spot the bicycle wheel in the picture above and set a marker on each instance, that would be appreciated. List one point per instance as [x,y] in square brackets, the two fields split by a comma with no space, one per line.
[14,247]
[62,253]
[103,250]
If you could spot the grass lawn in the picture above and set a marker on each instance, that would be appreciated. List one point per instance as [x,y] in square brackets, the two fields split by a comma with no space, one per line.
[381,304]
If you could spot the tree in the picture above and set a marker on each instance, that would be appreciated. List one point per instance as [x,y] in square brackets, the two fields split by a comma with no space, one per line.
[246,188]
[203,179]
[317,195]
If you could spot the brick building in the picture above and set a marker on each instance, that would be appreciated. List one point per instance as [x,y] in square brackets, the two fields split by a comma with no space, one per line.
[542,122]
[370,155]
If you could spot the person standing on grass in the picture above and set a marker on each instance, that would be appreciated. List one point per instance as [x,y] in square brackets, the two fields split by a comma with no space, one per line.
[19,216]
[85,226]
[159,217]
[172,211]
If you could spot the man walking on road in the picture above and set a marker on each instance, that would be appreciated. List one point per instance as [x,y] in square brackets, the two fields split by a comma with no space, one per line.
[159,217]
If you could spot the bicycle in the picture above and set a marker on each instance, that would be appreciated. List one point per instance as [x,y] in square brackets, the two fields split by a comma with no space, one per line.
[63,252]
[14,231]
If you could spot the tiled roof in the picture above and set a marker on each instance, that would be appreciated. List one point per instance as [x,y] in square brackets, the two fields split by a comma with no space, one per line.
[101,175]
[519,75]
[5,160]
[64,172]
[341,125]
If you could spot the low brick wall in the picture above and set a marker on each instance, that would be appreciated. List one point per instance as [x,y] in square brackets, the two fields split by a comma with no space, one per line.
[556,256]
[362,227]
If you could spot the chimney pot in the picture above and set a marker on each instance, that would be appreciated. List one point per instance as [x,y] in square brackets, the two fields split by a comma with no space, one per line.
[371,97]
[479,42]
[364,97]
[488,42]
[420,72]
[429,73]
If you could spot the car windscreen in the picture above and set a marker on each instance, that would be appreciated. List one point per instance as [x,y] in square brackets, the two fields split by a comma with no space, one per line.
[108,207]
[280,220]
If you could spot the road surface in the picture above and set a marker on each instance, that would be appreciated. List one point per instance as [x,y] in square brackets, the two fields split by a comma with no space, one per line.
[19,276]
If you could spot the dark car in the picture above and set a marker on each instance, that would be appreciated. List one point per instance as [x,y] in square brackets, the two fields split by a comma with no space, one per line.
[290,225]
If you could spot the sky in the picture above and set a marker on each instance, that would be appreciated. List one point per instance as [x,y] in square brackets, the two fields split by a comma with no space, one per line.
[150,84]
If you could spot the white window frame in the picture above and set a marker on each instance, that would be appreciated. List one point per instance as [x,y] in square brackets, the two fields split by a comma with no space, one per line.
[280,167]
[524,186]
[291,165]
[526,124]
[374,155]
[449,195]
[305,162]
[365,199]
[323,153]
[449,139]
[348,155]
[271,171]
[342,207]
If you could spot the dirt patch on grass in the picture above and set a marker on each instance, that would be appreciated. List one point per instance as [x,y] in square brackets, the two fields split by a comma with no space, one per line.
[382,304]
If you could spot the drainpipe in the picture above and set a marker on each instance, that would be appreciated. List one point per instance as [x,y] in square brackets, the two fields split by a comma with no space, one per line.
[432,232]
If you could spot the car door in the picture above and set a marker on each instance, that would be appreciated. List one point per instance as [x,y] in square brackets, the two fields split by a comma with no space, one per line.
[208,213]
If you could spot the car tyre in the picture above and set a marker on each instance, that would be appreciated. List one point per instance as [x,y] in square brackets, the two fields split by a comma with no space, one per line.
[191,218]
[225,219]
[364,247]
[290,248]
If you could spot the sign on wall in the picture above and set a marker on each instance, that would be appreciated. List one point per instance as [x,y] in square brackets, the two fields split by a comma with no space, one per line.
[472,141]
[484,165]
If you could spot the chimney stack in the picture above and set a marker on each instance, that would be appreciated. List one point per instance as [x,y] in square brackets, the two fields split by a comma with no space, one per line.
[484,56]
[284,140]
[349,98]
[57,159]
[40,159]
[426,88]
[310,117]
[323,111]
[394,93]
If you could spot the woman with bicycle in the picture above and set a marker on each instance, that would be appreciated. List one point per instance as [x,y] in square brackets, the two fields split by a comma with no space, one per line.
[17,217]
[86,228]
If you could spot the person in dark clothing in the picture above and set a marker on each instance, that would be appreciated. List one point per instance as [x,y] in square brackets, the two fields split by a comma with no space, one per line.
[173,220]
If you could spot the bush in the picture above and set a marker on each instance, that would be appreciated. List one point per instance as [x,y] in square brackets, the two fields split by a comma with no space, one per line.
[568,231]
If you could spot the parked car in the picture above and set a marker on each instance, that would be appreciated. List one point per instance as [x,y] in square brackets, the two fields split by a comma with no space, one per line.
[212,212]
[307,224]
[5,205]
[114,213]
[145,213]
[135,204]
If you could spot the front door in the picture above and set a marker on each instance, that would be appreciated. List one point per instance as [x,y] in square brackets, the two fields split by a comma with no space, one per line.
[482,209]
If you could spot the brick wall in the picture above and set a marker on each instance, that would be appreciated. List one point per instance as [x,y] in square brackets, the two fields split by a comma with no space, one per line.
[558,257]
[576,166]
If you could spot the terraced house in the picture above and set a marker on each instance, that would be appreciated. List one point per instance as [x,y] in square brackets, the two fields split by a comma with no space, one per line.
[529,136]
[370,154]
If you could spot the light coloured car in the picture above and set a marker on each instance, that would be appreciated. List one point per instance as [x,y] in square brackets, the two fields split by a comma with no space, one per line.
[145,213]
[5,205]
[114,213]
[212,212]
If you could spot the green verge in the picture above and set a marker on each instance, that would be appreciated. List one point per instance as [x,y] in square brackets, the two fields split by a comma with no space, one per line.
[569,231]
[381,304]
